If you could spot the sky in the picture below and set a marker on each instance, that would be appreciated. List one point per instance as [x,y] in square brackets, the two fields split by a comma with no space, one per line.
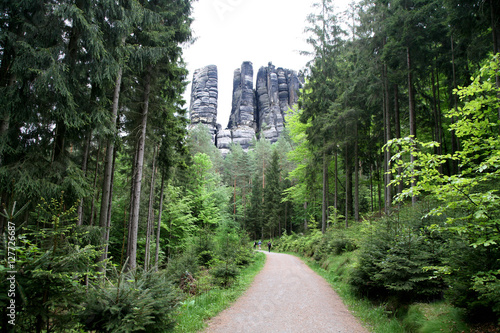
[229,32]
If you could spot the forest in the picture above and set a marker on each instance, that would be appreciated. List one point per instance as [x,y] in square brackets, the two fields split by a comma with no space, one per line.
[112,211]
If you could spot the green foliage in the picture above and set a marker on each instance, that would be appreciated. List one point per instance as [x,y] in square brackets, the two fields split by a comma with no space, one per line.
[392,258]
[434,317]
[471,273]
[321,246]
[181,264]
[136,301]
[221,254]
[224,274]
[304,245]
[469,199]
[53,261]
[177,220]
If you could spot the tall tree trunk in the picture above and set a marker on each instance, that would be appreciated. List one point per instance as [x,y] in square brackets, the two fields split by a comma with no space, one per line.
[158,226]
[108,226]
[59,140]
[149,223]
[356,174]
[348,186]
[108,166]
[84,169]
[96,174]
[305,216]
[387,152]
[397,130]
[323,201]
[133,228]
[336,195]
[437,116]
[286,215]
[413,127]
[454,139]
[379,190]
[371,188]
[110,149]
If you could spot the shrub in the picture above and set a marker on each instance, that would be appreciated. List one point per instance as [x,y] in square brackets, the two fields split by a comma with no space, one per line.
[224,274]
[137,301]
[392,259]
[52,262]
[204,249]
[181,264]
[473,286]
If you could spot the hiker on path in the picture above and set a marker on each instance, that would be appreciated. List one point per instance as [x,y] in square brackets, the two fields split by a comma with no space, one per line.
[254,245]
[260,242]
[269,246]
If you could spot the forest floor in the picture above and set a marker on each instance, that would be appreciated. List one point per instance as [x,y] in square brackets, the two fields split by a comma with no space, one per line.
[287,296]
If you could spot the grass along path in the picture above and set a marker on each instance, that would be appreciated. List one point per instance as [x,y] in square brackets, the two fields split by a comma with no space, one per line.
[196,310]
[421,317]
[377,318]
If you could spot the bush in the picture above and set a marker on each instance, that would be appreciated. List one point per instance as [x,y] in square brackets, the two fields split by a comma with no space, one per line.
[224,274]
[137,301]
[53,260]
[319,246]
[181,264]
[204,249]
[392,259]
[472,285]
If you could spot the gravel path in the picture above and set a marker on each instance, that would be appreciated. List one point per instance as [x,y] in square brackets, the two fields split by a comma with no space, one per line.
[287,296]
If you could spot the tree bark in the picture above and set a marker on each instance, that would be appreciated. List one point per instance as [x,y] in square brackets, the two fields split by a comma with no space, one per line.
[96,173]
[108,226]
[379,190]
[413,128]
[305,216]
[371,188]
[336,196]
[133,227]
[356,174]
[387,151]
[158,226]
[323,202]
[397,130]
[348,186]
[454,139]
[84,169]
[149,224]
[108,162]
[437,116]
[107,196]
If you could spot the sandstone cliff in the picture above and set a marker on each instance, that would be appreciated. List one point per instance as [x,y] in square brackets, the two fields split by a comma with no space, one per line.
[254,112]
[204,94]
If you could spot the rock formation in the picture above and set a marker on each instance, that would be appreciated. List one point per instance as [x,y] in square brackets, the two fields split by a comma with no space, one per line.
[204,93]
[242,122]
[276,92]
[259,111]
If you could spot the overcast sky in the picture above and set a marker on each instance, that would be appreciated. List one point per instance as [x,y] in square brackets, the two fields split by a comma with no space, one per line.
[229,32]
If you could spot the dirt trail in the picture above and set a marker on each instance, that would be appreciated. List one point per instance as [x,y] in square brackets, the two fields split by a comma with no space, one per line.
[287,296]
